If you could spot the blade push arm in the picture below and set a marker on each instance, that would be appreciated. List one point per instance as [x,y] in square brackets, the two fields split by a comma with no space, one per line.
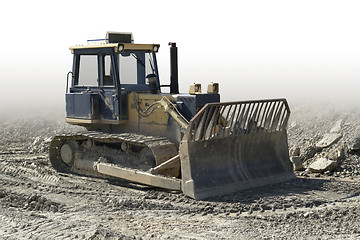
[170,108]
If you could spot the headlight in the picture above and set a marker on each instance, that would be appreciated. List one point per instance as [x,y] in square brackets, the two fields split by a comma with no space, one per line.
[120,48]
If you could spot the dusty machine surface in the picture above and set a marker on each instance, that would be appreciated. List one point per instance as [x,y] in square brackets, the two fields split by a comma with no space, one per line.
[137,131]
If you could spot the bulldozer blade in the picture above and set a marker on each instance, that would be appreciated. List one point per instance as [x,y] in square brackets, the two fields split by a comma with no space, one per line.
[234,146]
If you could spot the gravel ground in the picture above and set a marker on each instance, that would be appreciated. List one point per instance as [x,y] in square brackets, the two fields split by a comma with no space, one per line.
[38,203]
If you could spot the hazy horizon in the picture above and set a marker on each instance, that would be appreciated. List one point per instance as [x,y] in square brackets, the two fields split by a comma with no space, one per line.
[304,51]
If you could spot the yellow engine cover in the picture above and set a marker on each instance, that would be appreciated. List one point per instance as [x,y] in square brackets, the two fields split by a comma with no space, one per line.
[145,115]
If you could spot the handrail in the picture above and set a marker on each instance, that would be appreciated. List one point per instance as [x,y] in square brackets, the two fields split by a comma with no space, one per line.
[67,80]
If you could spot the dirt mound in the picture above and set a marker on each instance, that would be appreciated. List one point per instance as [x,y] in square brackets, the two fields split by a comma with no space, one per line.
[34,202]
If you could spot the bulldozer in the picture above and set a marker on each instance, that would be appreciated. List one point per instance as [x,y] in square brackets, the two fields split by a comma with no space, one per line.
[139,130]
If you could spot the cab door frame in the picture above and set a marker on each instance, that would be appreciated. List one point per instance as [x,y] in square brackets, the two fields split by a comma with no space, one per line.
[108,106]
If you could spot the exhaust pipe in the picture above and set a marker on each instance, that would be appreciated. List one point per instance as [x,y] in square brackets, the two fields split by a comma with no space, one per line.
[174,82]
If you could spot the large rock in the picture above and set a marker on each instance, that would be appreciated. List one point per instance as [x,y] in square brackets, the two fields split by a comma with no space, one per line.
[328,140]
[355,145]
[295,152]
[297,163]
[337,127]
[336,154]
[322,165]
[309,152]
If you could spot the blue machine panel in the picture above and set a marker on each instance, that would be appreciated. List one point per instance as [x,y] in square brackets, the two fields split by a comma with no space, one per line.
[82,105]
[189,105]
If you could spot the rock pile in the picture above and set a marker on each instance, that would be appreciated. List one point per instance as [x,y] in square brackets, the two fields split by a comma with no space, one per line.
[328,145]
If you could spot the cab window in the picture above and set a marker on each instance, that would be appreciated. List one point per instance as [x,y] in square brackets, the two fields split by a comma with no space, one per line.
[88,71]
[127,69]
[108,75]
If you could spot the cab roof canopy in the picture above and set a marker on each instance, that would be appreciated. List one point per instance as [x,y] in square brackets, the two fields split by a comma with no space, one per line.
[120,41]
[121,47]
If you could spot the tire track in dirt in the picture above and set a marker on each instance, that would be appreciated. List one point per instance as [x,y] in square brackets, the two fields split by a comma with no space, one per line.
[99,209]
[32,174]
[42,226]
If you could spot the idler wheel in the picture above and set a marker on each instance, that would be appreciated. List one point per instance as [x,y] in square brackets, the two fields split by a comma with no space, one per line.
[67,153]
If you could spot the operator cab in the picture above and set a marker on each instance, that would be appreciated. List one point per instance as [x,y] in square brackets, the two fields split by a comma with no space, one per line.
[104,72]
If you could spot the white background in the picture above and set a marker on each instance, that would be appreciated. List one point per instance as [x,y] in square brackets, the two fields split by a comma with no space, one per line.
[300,50]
